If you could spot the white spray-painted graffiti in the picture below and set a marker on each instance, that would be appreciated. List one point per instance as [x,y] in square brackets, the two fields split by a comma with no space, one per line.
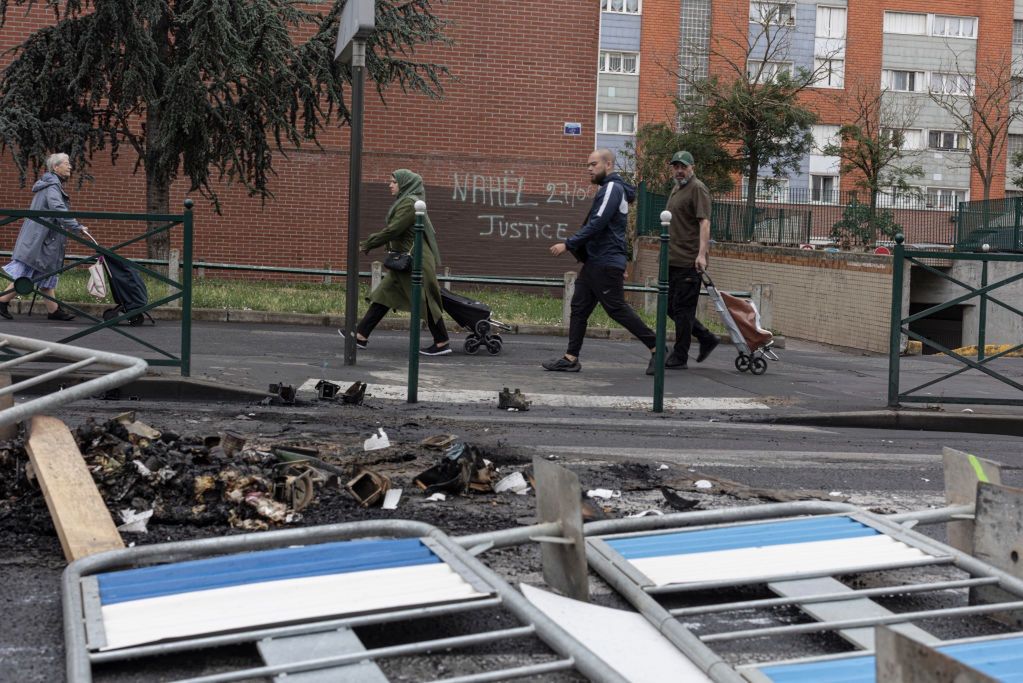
[508,192]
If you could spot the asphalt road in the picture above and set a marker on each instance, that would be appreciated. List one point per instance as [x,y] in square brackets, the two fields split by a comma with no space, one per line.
[886,470]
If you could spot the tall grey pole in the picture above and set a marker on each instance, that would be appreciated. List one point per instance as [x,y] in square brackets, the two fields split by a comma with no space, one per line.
[354,186]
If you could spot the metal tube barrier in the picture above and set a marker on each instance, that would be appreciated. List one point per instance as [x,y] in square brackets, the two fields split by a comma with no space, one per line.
[128,369]
[671,628]
[417,294]
[662,312]
[765,603]
[78,664]
[845,624]
[356,657]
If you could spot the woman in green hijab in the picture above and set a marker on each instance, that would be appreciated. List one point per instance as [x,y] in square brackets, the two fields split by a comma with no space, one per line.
[395,290]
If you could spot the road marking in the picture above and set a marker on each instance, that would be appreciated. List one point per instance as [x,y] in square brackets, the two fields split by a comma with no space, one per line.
[652,423]
[759,458]
[400,392]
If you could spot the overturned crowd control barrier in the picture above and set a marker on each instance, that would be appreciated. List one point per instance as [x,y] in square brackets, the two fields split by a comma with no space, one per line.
[297,594]
[801,559]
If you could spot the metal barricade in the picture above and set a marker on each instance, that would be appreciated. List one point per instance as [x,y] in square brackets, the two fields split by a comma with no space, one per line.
[799,559]
[108,601]
[25,350]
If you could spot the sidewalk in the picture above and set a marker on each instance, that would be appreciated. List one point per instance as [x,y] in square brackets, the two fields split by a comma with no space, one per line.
[809,380]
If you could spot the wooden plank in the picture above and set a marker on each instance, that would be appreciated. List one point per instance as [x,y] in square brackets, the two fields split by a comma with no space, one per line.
[76,507]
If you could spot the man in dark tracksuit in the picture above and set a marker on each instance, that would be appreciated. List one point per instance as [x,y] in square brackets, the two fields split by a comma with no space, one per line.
[600,243]
[689,204]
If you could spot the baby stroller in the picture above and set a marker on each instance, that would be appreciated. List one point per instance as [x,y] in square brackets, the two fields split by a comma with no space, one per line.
[474,317]
[742,319]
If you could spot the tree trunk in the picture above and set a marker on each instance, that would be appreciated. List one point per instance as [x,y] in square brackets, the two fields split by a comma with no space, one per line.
[751,199]
[158,179]
[157,201]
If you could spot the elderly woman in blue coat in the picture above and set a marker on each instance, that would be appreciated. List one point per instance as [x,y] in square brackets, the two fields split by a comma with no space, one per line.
[39,250]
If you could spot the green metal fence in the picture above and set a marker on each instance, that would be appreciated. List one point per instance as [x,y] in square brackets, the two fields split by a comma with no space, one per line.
[180,289]
[994,222]
[984,299]
[792,216]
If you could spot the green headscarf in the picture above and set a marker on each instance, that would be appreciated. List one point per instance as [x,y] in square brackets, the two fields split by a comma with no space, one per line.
[410,185]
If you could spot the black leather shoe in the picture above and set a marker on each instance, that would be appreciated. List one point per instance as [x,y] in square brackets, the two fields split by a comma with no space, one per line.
[61,314]
[4,312]
[674,363]
[706,348]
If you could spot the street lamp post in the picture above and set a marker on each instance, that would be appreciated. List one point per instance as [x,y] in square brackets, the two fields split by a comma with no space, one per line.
[357,23]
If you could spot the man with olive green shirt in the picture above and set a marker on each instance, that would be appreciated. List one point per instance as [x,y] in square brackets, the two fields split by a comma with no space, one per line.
[689,241]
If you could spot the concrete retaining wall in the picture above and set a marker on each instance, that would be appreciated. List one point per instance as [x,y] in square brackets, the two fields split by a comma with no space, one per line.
[834,298]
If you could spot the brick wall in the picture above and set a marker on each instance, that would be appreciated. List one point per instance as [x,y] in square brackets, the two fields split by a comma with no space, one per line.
[842,299]
[658,84]
[523,69]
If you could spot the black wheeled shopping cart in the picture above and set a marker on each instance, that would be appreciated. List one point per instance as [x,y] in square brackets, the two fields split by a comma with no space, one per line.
[474,317]
[752,342]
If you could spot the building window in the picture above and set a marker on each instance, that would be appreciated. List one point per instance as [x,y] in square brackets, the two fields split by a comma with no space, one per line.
[1017,32]
[905,22]
[1016,88]
[945,198]
[778,13]
[765,72]
[830,72]
[830,22]
[825,135]
[951,84]
[1015,144]
[616,122]
[824,188]
[619,62]
[948,139]
[902,81]
[622,6]
[954,27]
[907,140]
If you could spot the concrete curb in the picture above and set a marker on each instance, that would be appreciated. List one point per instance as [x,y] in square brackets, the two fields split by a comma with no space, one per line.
[1009,425]
[230,315]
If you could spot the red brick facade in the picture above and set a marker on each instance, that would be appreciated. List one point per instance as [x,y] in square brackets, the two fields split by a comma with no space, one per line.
[503,181]
[864,43]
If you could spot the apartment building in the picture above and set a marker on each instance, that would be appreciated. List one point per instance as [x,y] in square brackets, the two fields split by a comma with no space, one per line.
[618,66]
[908,48]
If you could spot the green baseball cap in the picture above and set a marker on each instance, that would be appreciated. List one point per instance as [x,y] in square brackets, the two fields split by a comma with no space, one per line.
[682,158]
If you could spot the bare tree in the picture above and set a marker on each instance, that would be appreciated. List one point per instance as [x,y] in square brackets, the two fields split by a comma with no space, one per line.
[982,106]
[873,142]
[753,108]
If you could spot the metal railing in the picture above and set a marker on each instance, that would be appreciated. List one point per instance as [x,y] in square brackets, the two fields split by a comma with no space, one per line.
[997,223]
[125,369]
[791,216]
[181,290]
[901,325]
